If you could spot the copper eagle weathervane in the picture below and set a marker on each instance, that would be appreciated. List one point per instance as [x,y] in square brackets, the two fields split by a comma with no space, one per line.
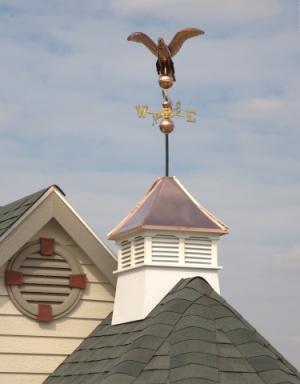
[164,52]
[166,71]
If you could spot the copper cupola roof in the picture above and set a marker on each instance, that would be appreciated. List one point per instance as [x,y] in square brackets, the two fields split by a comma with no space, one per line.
[167,205]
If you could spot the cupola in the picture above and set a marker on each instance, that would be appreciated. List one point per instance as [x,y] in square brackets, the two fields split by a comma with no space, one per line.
[168,236]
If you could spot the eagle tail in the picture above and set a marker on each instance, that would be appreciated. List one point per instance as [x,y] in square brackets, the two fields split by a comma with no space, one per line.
[166,68]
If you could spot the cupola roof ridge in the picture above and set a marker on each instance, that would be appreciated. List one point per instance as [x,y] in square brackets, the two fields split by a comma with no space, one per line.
[157,186]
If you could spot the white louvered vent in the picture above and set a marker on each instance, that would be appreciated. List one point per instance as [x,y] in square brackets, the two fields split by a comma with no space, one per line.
[198,250]
[45,280]
[165,249]
[138,250]
[125,254]
[193,251]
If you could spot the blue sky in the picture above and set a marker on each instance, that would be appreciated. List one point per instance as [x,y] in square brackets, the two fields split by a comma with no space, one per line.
[69,84]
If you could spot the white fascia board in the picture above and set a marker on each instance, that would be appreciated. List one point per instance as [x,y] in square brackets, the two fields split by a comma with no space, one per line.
[175,266]
[86,225]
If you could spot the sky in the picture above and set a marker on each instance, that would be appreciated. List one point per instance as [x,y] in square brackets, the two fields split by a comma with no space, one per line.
[70,81]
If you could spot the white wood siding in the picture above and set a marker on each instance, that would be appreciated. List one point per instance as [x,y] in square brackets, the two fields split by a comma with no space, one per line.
[30,351]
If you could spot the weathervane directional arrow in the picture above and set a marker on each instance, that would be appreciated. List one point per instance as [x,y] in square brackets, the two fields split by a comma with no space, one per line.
[166,113]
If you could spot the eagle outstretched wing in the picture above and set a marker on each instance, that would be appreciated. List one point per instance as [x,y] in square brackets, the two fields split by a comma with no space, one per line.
[181,37]
[140,37]
[164,52]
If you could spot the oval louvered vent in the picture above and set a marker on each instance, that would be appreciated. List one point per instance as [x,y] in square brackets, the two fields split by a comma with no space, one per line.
[198,250]
[45,280]
[165,249]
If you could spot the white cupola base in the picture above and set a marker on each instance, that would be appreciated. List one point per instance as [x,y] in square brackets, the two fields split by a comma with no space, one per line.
[140,289]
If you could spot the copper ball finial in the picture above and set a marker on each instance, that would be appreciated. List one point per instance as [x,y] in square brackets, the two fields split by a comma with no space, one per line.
[165,81]
[166,126]
[166,104]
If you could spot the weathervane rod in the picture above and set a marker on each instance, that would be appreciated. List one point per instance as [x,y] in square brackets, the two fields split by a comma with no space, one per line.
[167,154]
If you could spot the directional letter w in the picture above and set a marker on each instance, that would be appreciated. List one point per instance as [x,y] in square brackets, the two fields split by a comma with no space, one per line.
[141,110]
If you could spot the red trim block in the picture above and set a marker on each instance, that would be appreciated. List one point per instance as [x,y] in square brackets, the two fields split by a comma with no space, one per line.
[44,313]
[77,281]
[47,246]
[13,277]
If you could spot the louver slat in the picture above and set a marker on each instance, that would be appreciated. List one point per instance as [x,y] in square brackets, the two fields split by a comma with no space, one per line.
[38,256]
[44,298]
[45,289]
[41,280]
[42,263]
[41,272]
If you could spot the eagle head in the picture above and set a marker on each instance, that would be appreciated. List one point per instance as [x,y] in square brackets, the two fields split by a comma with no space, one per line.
[161,42]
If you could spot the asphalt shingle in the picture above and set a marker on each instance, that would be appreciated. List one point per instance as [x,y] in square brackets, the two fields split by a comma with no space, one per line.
[192,336]
[193,333]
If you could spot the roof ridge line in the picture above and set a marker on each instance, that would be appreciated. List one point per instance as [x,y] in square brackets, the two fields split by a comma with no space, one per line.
[159,185]
[198,205]
[136,207]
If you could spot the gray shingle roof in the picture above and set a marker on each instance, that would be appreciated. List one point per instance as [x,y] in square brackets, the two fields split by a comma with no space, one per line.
[192,336]
[11,213]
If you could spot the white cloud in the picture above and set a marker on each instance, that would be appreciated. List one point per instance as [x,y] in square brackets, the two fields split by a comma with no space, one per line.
[288,260]
[257,108]
[217,11]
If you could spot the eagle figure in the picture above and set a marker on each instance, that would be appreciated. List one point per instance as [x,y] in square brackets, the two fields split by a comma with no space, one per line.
[164,52]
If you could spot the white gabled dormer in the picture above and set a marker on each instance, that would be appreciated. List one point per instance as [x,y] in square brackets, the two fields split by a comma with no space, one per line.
[168,236]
